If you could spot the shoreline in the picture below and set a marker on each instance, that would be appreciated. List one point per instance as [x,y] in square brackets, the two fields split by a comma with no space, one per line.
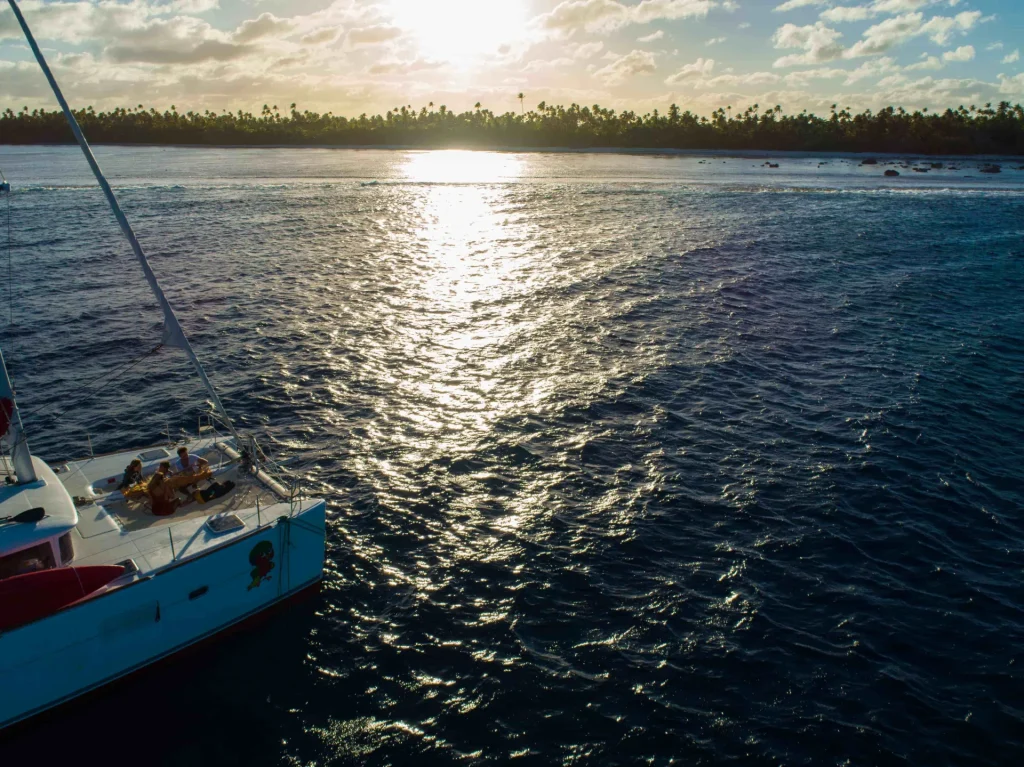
[642,151]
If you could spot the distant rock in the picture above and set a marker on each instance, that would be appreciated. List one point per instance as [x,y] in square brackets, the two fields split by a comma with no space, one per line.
[937,165]
[869,161]
[892,172]
[921,170]
[990,169]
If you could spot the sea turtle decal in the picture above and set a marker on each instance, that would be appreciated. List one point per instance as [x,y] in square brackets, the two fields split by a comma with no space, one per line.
[262,560]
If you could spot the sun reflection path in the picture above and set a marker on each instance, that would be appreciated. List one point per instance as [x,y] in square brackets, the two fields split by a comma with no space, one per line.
[461,166]
[463,280]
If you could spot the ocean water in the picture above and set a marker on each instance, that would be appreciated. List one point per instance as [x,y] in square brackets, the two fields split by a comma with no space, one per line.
[630,459]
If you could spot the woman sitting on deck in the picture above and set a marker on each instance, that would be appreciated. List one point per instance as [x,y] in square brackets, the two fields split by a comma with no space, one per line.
[132,475]
[162,492]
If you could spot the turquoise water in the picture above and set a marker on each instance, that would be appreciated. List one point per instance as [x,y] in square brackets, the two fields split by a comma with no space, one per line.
[629,458]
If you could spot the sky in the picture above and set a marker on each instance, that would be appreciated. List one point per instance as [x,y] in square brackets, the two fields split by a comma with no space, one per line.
[367,56]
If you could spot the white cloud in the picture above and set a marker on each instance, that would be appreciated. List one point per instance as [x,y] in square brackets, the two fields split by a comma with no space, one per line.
[1012,85]
[632,64]
[651,37]
[898,6]
[873,68]
[941,28]
[1012,58]
[652,10]
[539,65]
[598,16]
[374,35]
[894,31]
[819,43]
[994,47]
[792,5]
[926,62]
[963,53]
[846,13]
[801,77]
[744,25]
[404,67]
[748,79]
[266,25]
[320,36]
[699,69]
[715,41]
[586,50]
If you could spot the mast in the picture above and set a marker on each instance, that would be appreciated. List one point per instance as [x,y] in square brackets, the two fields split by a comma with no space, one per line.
[173,334]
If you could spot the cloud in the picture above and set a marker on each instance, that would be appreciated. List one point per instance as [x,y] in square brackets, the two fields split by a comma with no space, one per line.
[209,50]
[887,34]
[538,65]
[747,79]
[802,77]
[653,10]
[632,64]
[819,43]
[1012,85]
[374,35]
[699,69]
[994,47]
[586,50]
[591,15]
[651,37]
[1012,58]
[404,67]
[847,13]
[320,36]
[941,28]
[185,6]
[792,5]
[927,62]
[715,40]
[744,25]
[872,68]
[899,6]
[598,16]
[265,25]
[963,53]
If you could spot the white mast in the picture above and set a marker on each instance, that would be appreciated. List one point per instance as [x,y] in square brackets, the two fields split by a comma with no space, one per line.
[173,334]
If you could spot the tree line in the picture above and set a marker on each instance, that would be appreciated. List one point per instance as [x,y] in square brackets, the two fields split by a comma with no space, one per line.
[965,130]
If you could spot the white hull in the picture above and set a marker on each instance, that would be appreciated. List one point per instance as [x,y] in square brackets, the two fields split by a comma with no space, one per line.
[83,647]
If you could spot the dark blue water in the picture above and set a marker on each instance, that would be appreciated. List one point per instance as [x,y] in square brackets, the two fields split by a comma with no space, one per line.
[629,459]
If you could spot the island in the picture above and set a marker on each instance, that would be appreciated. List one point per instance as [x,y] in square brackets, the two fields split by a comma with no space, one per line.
[966,130]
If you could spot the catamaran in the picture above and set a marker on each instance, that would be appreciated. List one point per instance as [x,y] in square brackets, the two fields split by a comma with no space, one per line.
[94,585]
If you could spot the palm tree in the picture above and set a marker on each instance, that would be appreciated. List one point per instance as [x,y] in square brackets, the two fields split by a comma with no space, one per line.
[522,109]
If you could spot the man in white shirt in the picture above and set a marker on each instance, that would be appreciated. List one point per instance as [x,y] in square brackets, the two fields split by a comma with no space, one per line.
[189,464]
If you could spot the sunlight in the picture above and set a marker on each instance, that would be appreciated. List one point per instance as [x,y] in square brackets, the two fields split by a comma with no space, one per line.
[460,31]
[460,166]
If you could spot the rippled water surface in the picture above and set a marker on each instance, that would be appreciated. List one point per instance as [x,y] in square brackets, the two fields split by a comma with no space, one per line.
[630,459]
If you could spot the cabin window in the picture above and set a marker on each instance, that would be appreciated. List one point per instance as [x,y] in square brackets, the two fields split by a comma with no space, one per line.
[28,560]
[67,549]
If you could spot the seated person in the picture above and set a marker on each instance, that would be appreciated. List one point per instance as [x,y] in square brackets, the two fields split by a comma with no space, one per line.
[162,492]
[191,464]
[132,476]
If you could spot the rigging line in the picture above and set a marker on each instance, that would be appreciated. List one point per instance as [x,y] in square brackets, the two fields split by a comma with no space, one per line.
[6,187]
[88,384]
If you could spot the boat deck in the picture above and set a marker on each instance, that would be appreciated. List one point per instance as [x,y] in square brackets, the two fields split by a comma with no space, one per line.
[111,528]
[135,514]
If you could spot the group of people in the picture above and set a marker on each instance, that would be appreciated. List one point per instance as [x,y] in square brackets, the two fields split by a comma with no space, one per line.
[164,486]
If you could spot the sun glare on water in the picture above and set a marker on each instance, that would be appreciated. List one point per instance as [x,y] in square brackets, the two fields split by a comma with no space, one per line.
[460,31]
